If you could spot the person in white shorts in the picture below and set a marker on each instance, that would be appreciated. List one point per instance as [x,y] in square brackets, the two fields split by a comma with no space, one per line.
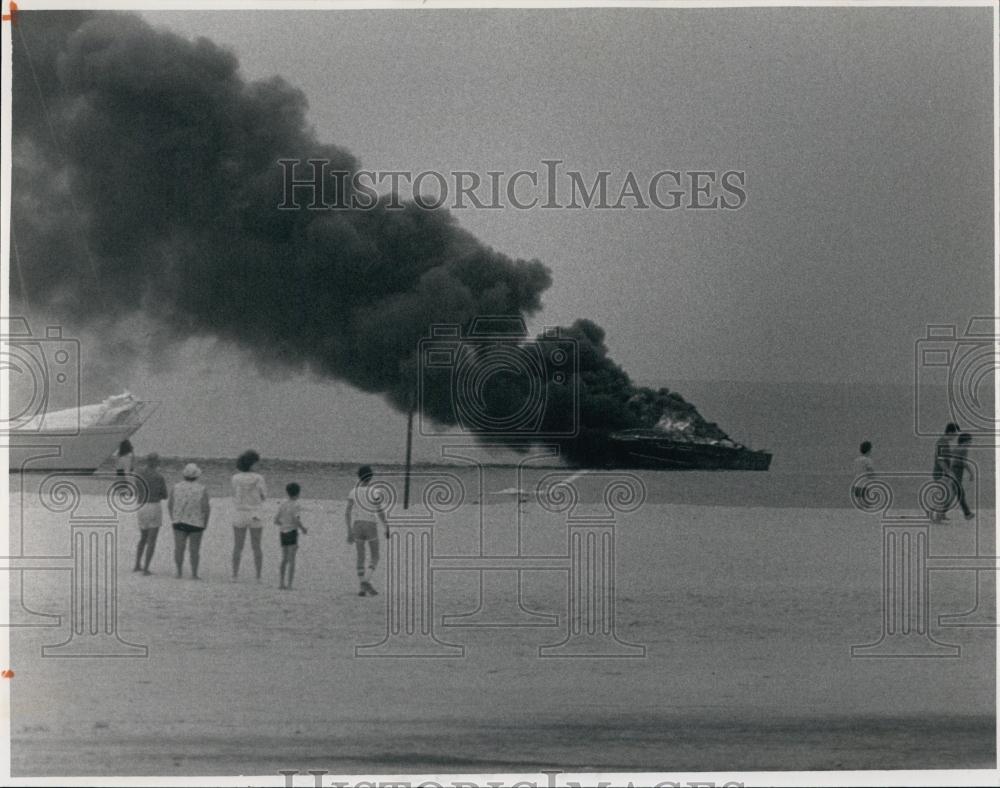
[363,508]
[249,494]
[150,516]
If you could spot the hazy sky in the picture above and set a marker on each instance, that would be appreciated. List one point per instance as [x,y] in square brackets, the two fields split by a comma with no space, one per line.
[865,135]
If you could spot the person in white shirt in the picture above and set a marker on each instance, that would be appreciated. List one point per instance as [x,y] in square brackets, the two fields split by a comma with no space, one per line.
[364,506]
[249,494]
[189,508]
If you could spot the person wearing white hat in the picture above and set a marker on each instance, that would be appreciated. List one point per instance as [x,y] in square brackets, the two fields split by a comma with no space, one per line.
[189,511]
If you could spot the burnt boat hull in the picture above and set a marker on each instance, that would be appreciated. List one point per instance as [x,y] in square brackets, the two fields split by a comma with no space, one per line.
[667,454]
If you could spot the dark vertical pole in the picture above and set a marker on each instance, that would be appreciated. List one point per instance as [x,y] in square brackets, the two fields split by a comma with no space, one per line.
[409,453]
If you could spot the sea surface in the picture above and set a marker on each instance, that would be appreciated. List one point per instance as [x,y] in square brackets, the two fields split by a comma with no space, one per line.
[811,427]
[812,430]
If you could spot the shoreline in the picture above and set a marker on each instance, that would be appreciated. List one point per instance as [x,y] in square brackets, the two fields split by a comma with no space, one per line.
[500,483]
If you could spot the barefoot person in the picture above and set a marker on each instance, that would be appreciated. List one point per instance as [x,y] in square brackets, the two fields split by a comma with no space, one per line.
[189,511]
[289,522]
[150,516]
[363,507]
[249,494]
[943,450]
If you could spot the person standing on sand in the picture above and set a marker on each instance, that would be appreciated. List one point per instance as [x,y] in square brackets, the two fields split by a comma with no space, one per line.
[189,511]
[249,494]
[362,529]
[863,466]
[150,516]
[957,468]
[943,450]
[124,458]
[289,521]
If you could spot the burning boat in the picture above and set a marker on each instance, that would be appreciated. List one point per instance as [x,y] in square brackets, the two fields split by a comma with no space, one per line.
[656,449]
[674,444]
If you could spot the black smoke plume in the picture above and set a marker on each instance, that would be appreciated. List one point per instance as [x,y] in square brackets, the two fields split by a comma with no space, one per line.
[145,182]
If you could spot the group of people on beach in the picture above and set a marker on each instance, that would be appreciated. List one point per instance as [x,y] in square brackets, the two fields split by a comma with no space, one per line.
[189,509]
[951,467]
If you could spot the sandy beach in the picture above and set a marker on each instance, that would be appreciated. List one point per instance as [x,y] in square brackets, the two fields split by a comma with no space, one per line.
[747,616]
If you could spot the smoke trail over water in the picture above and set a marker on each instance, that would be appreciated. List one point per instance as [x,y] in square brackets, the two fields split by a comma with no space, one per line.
[145,183]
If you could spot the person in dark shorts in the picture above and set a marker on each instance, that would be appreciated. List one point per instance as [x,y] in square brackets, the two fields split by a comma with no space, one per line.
[189,511]
[150,516]
[364,506]
[289,521]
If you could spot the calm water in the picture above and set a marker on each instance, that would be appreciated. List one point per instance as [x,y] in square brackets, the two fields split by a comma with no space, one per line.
[813,431]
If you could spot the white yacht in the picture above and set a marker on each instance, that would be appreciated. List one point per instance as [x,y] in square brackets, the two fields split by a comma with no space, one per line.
[78,439]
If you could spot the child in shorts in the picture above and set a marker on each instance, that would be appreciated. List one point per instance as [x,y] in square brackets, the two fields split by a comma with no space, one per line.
[289,522]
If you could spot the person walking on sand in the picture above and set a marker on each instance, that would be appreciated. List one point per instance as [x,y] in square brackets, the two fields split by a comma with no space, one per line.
[943,450]
[863,467]
[289,522]
[189,511]
[249,494]
[957,468]
[150,515]
[364,507]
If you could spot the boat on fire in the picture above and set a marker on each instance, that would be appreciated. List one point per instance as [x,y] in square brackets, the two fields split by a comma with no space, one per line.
[653,449]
